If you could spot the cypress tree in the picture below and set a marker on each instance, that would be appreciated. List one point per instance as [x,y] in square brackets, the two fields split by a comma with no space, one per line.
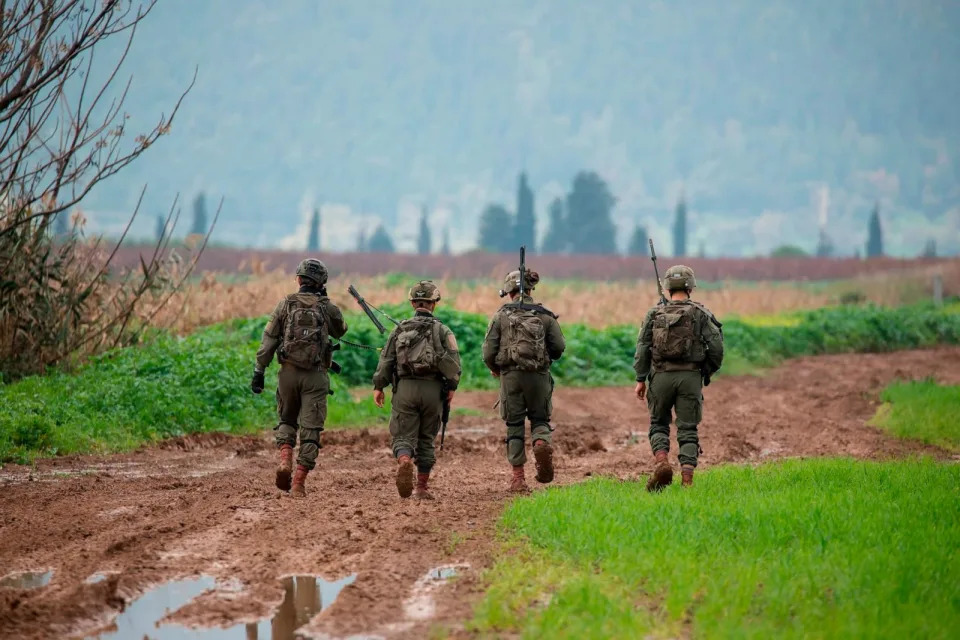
[874,234]
[588,224]
[526,231]
[423,239]
[199,215]
[313,240]
[680,229]
[639,242]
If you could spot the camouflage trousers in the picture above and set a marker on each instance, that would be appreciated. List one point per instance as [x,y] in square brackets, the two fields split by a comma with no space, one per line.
[415,413]
[680,391]
[301,406]
[525,395]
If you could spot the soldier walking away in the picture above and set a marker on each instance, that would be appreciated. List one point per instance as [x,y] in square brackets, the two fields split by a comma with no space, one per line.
[679,347]
[421,363]
[523,340]
[299,332]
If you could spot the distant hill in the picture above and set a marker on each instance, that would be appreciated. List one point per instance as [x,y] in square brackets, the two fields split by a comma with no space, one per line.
[376,108]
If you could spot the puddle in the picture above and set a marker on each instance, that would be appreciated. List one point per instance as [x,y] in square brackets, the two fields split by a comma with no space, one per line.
[96,578]
[27,579]
[442,573]
[421,605]
[304,597]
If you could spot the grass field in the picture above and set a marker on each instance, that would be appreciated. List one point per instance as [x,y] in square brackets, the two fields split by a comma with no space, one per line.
[177,385]
[922,410]
[827,548]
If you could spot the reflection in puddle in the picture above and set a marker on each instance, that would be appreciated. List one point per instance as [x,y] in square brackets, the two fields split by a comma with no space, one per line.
[442,573]
[304,597]
[27,579]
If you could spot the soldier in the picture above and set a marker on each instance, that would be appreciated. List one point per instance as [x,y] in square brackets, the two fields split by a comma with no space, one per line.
[679,347]
[523,340]
[299,331]
[422,363]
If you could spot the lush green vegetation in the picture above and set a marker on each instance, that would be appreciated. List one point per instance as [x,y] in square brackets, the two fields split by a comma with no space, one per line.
[923,410]
[173,386]
[170,387]
[828,548]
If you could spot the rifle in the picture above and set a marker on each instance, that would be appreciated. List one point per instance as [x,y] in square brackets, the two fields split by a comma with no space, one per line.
[653,257]
[369,309]
[445,415]
[523,269]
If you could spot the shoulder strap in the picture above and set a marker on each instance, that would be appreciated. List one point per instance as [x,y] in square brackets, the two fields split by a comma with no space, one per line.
[536,308]
[708,313]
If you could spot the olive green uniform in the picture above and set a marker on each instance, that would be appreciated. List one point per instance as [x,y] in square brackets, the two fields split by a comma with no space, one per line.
[677,386]
[301,393]
[524,395]
[417,402]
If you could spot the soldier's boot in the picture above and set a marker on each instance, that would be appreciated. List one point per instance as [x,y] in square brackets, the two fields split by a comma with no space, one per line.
[299,482]
[686,475]
[404,476]
[518,484]
[421,492]
[285,467]
[543,455]
[662,472]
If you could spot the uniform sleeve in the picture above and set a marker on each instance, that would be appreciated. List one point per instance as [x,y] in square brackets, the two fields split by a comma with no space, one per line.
[554,338]
[387,367]
[338,326]
[643,355]
[450,362]
[271,336]
[491,344]
[713,340]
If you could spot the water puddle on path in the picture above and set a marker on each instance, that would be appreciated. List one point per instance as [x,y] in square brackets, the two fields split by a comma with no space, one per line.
[304,597]
[421,605]
[27,579]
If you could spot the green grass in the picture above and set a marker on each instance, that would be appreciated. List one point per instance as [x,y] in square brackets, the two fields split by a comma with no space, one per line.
[828,548]
[922,410]
[169,387]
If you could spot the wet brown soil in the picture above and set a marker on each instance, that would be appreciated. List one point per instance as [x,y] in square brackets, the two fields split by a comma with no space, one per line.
[206,505]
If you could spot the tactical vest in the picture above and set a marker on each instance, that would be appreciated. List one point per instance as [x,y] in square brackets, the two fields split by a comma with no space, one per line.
[523,338]
[306,333]
[677,343]
[419,348]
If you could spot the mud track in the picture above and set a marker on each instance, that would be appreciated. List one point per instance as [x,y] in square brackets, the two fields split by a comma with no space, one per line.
[206,505]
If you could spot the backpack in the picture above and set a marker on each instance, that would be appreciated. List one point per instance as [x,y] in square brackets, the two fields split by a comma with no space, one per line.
[418,347]
[306,334]
[523,344]
[676,335]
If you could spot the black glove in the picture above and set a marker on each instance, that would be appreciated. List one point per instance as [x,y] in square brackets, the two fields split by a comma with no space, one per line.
[256,385]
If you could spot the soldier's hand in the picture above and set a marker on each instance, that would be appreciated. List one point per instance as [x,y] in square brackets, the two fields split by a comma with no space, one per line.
[495,374]
[641,391]
[256,385]
[450,395]
[378,397]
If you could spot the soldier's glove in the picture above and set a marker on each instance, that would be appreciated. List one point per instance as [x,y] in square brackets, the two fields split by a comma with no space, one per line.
[256,385]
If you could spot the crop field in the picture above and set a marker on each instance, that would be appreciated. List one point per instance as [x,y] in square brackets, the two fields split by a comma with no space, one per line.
[822,508]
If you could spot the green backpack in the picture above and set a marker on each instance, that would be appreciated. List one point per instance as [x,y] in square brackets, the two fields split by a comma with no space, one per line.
[306,334]
[418,347]
[676,335]
[523,343]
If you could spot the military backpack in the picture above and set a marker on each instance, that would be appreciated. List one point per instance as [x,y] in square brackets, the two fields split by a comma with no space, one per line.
[676,332]
[306,334]
[419,348]
[523,343]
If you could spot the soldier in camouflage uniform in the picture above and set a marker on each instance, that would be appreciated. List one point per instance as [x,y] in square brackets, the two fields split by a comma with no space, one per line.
[421,362]
[523,340]
[299,332]
[679,347]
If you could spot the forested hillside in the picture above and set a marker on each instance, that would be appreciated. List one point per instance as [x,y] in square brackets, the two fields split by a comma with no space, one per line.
[376,108]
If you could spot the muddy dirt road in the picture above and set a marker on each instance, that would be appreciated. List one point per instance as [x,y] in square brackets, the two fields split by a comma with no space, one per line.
[204,508]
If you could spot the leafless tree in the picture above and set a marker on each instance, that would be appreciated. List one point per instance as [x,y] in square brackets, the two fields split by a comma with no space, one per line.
[61,133]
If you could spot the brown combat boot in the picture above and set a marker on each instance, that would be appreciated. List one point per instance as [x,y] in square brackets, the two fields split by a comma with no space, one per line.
[662,472]
[422,493]
[543,455]
[285,467]
[299,479]
[686,475]
[404,476]
[518,484]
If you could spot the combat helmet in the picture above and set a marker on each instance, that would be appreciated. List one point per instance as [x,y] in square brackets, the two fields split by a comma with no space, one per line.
[424,291]
[679,277]
[313,270]
[511,283]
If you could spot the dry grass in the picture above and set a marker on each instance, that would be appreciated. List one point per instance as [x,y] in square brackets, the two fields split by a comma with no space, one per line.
[599,304]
